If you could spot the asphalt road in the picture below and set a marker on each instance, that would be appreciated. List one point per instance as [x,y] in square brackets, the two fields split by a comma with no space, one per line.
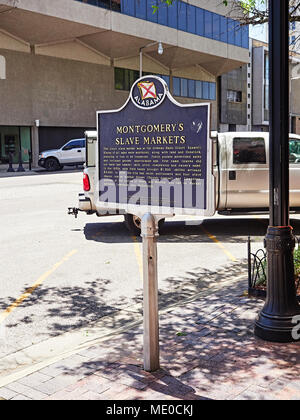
[59,273]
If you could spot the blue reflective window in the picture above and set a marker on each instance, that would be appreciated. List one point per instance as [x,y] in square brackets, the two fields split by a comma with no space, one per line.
[176,86]
[238,34]
[205,90]
[208,24]
[245,36]
[231,31]
[128,7]
[182,16]
[191,88]
[141,9]
[223,29]
[166,79]
[216,26]
[198,89]
[183,87]
[191,19]
[200,22]
[172,15]
[162,15]
[212,91]
[152,17]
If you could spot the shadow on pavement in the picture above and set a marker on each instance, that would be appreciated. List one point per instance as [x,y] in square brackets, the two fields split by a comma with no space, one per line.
[207,350]
[225,230]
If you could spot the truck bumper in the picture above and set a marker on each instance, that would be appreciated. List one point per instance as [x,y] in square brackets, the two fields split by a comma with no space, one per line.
[84,203]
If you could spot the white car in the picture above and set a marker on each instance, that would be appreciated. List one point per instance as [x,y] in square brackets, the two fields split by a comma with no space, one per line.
[71,153]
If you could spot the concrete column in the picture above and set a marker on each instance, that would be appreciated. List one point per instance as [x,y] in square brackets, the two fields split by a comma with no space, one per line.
[35,145]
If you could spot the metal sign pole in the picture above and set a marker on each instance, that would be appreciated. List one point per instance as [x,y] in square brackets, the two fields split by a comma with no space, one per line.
[151,325]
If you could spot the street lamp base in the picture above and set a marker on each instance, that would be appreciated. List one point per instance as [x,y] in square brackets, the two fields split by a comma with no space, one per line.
[280,317]
[276,330]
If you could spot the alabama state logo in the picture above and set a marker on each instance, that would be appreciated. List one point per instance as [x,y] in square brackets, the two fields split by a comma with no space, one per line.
[148,92]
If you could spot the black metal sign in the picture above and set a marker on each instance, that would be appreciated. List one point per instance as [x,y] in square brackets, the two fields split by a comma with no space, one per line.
[155,154]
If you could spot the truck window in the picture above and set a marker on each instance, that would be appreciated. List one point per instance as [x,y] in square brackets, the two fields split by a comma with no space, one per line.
[294,147]
[90,152]
[249,150]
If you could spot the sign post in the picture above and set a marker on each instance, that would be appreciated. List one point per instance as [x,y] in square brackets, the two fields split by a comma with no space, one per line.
[151,323]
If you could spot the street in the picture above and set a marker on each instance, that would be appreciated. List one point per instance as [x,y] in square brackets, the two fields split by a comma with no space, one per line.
[60,274]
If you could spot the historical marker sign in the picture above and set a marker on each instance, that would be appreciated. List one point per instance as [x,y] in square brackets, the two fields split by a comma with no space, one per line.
[155,154]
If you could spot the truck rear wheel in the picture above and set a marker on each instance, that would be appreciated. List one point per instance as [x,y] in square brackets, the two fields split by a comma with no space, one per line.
[133,223]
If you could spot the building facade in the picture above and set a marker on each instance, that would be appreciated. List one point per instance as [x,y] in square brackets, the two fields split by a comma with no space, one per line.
[244,92]
[62,60]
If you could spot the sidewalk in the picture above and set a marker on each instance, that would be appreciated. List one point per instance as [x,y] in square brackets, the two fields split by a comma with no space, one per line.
[207,351]
[27,172]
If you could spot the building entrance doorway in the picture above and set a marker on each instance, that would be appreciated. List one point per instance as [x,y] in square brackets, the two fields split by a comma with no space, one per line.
[14,140]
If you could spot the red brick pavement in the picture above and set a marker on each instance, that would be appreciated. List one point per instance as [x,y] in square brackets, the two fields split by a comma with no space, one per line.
[214,357]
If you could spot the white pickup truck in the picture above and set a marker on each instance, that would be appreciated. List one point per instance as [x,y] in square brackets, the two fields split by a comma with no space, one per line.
[240,168]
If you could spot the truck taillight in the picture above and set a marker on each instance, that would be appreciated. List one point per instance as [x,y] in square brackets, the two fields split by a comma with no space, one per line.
[86,182]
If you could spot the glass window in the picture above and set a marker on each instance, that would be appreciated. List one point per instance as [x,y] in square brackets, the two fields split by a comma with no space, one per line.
[231,31]
[198,89]
[166,79]
[172,15]
[216,26]
[152,17]
[124,78]
[191,89]
[223,29]
[249,150]
[128,7]
[238,34]
[208,24]
[191,19]
[234,96]
[119,79]
[91,152]
[74,144]
[182,16]
[294,146]
[13,140]
[212,91]
[162,15]
[25,143]
[245,36]
[183,87]
[176,86]
[205,90]
[141,9]
[199,21]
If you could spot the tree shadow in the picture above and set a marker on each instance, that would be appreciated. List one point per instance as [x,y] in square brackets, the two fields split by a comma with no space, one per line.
[224,229]
[207,351]
[207,346]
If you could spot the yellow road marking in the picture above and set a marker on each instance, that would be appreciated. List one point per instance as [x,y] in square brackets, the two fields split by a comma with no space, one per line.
[220,245]
[138,254]
[31,289]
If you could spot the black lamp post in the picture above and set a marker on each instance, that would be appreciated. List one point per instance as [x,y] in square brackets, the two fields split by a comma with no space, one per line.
[275,322]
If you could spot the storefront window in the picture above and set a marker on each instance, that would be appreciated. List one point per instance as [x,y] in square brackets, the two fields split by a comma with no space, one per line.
[15,140]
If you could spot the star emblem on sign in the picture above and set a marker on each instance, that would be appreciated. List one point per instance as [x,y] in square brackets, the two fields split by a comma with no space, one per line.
[147,90]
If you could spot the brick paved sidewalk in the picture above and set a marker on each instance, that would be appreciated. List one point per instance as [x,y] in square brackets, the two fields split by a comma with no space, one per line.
[208,351]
